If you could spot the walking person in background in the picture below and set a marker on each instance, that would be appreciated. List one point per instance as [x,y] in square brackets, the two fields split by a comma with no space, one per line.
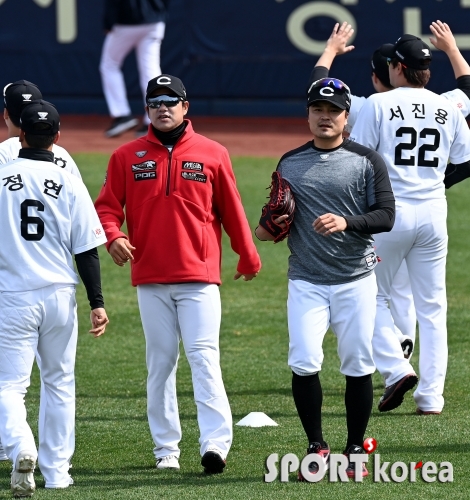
[129,25]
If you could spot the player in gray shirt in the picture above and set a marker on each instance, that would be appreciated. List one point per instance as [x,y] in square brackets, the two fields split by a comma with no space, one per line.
[343,195]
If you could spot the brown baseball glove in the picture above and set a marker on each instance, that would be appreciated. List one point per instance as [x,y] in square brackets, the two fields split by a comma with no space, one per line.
[281,202]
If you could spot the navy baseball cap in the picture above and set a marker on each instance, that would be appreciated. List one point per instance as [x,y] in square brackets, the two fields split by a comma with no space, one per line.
[410,50]
[19,94]
[379,64]
[330,90]
[166,82]
[40,118]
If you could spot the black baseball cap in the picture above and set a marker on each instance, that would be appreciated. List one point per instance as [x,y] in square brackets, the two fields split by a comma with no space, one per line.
[330,90]
[410,51]
[166,81]
[379,64]
[19,94]
[40,112]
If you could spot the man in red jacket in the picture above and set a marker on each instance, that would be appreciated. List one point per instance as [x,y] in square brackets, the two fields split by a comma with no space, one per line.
[178,189]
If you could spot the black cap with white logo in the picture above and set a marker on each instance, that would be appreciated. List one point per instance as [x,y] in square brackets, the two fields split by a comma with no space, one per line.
[379,65]
[40,118]
[166,81]
[19,94]
[410,50]
[330,90]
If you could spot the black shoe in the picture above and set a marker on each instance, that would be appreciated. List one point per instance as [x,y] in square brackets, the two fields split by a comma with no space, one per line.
[120,125]
[142,130]
[354,449]
[213,462]
[407,346]
[321,449]
[393,396]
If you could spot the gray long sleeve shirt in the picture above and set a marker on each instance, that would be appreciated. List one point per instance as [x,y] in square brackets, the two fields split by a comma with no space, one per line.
[350,181]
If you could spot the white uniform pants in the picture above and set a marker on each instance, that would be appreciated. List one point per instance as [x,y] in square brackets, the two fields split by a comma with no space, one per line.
[420,237]
[42,321]
[402,305]
[348,308]
[190,312]
[146,39]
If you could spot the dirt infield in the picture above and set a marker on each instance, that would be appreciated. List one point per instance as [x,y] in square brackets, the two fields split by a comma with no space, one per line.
[241,136]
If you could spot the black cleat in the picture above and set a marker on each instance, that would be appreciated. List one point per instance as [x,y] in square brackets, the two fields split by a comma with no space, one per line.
[321,449]
[213,462]
[394,394]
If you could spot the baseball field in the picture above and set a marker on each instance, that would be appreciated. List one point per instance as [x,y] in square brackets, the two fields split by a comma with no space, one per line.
[114,458]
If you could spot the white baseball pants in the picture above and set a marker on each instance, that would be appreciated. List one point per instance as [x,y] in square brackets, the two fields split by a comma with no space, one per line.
[190,312]
[146,39]
[348,308]
[419,236]
[402,305]
[42,321]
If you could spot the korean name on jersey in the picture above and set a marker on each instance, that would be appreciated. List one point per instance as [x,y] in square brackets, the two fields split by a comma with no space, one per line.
[46,215]
[419,133]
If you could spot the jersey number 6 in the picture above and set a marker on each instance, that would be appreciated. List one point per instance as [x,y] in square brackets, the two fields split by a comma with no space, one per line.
[409,146]
[27,220]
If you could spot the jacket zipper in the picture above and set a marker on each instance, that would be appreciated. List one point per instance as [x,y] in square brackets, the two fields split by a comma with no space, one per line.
[168,173]
[170,154]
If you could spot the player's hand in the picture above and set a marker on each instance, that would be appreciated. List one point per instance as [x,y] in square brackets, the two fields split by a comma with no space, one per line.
[443,38]
[99,320]
[121,251]
[329,223]
[246,277]
[263,235]
[339,38]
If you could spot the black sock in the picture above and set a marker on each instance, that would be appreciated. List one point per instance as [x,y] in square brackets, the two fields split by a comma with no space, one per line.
[358,399]
[308,398]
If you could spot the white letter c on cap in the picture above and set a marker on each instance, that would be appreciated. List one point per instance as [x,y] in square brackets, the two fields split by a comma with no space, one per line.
[327,91]
[163,80]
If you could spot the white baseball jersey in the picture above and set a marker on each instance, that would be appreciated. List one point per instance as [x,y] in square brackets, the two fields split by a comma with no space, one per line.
[416,131]
[10,148]
[46,216]
[456,96]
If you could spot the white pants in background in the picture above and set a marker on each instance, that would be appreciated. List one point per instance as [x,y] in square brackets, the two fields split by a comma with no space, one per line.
[402,305]
[419,236]
[348,308]
[42,321]
[146,39]
[190,312]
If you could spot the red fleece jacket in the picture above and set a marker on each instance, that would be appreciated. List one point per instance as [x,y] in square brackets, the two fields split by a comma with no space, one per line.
[175,204]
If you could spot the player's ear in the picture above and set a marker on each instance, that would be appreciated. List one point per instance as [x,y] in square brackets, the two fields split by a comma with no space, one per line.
[185,107]
[5,114]
[56,138]
[147,110]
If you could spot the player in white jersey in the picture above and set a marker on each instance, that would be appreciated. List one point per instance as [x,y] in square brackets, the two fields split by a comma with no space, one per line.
[16,96]
[401,297]
[47,216]
[416,132]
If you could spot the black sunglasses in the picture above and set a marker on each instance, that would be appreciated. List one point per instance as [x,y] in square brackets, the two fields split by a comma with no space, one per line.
[168,100]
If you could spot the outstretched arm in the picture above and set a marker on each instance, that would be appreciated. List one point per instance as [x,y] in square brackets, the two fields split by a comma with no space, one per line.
[444,40]
[336,44]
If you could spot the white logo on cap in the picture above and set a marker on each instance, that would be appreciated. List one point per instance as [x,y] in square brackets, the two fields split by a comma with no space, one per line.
[426,52]
[27,97]
[327,91]
[163,80]
[43,115]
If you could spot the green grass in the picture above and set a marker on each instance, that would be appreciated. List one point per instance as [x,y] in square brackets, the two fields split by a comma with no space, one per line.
[114,458]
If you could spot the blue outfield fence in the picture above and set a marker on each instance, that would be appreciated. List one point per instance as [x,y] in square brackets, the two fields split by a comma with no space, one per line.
[236,58]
